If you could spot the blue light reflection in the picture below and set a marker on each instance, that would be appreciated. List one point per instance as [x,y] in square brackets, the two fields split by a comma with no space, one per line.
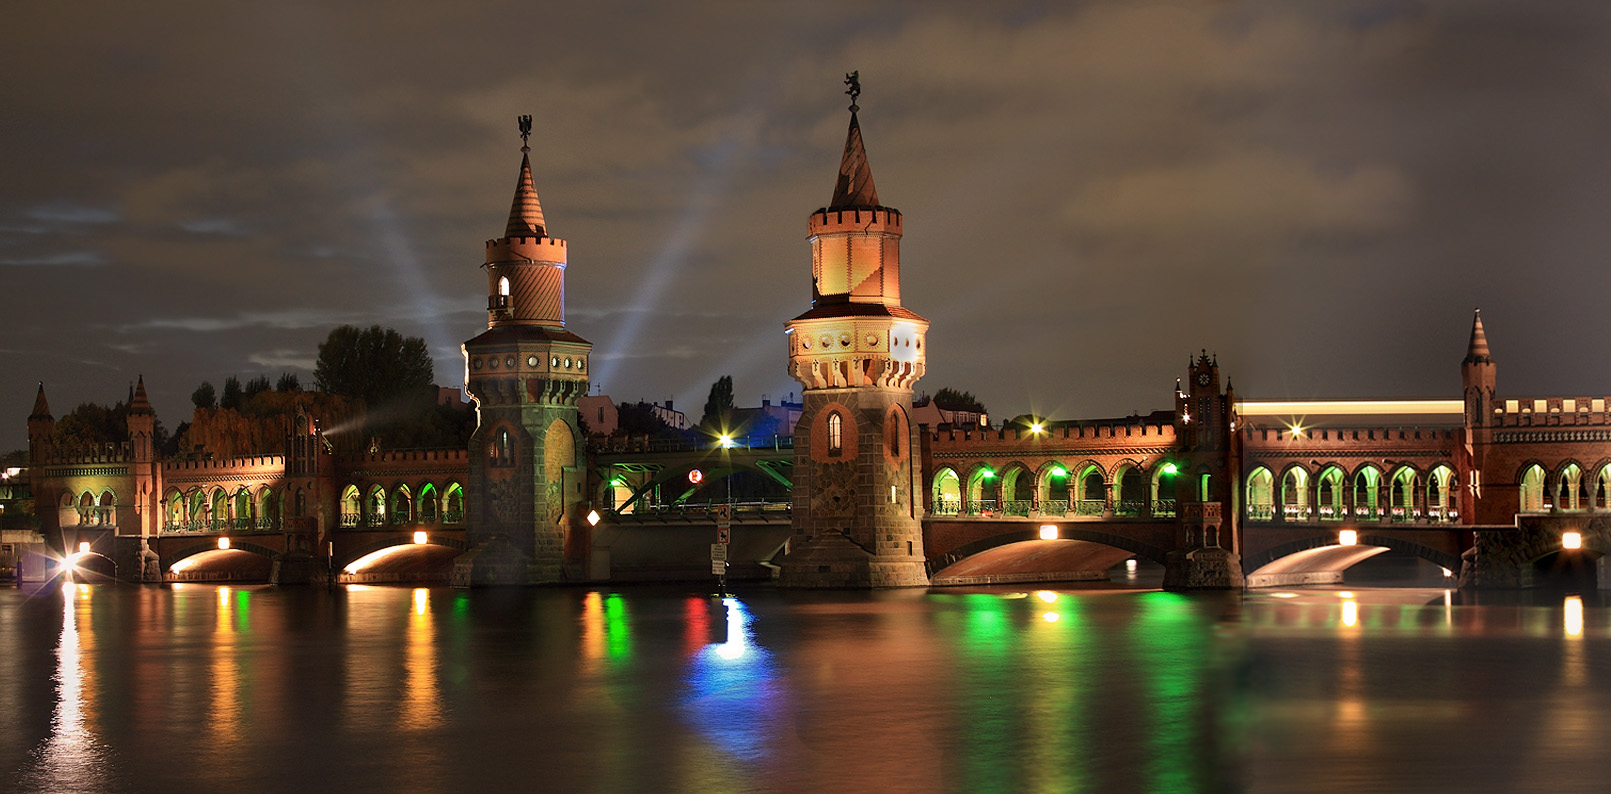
[732,693]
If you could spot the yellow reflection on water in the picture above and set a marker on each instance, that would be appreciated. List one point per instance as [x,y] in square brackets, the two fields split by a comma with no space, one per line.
[592,631]
[1574,616]
[1350,613]
[71,757]
[224,714]
[422,705]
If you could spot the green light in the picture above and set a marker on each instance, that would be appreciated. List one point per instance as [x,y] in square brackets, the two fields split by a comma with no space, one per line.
[617,482]
[989,475]
[1059,471]
[1169,468]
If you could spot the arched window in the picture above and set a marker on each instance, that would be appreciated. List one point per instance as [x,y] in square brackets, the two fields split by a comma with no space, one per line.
[427,504]
[453,504]
[947,497]
[1367,484]
[1532,489]
[1330,495]
[351,507]
[1260,495]
[1571,495]
[502,451]
[836,434]
[503,286]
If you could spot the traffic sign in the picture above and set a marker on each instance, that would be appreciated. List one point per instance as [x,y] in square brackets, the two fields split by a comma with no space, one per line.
[724,535]
[696,476]
[724,514]
[718,552]
[718,567]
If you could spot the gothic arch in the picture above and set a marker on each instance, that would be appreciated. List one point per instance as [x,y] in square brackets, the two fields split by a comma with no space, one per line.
[945,497]
[1329,486]
[1259,496]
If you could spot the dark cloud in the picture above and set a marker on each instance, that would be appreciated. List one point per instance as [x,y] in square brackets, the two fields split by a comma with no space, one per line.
[1319,193]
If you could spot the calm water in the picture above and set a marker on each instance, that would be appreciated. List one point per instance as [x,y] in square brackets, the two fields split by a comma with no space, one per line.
[254,689]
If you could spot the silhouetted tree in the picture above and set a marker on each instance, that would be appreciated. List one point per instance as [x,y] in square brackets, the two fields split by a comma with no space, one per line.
[231,398]
[288,382]
[204,396]
[953,400]
[374,364]
[719,405]
[257,386]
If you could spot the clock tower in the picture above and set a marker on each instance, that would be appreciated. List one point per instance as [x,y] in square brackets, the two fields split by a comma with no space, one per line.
[857,515]
[525,373]
[1210,540]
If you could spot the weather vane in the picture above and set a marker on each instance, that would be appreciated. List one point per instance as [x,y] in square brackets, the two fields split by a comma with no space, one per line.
[525,131]
[853,79]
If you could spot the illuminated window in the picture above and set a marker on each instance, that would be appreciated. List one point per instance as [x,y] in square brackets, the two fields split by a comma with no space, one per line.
[502,451]
[1532,489]
[836,430]
[503,285]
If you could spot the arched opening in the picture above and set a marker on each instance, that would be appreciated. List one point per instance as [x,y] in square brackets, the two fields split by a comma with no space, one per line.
[1163,491]
[106,509]
[429,512]
[502,452]
[503,286]
[1017,490]
[946,499]
[242,510]
[1295,494]
[1532,489]
[1092,491]
[982,491]
[895,432]
[1205,486]
[67,512]
[1260,495]
[836,434]
[268,509]
[1401,495]
[1052,488]
[375,506]
[1367,492]
[1130,491]
[453,504]
[1568,570]
[402,505]
[1570,490]
[352,511]
[173,511]
[1329,495]
[1603,500]
[1440,504]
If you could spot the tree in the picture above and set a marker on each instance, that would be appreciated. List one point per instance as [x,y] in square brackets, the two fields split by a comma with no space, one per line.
[256,386]
[288,382]
[374,364]
[231,398]
[952,400]
[204,396]
[719,405]
[91,423]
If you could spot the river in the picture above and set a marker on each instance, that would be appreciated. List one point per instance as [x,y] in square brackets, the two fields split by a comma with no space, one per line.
[1099,689]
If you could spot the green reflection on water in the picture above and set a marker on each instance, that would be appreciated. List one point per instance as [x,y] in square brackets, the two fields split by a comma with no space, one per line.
[617,627]
[1171,641]
[243,609]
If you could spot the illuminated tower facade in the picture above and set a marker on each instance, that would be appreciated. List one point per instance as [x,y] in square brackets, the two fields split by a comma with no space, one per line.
[857,354]
[1209,557]
[1479,378]
[526,373]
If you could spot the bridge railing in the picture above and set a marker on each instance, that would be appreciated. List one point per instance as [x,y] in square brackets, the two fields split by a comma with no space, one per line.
[1016,507]
[697,510]
[946,507]
[195,526]
[1260,513]
[1128,507]
[1163,508]
[774,443]
[1090,507]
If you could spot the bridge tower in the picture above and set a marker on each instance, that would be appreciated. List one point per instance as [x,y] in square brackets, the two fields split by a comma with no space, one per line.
[140,564]
[525,372]
[1479,380]
[1209,556]
[857,354]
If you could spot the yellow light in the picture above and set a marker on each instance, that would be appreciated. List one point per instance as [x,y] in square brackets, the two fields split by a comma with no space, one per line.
[83,547]
[1447,574]
[1037,428]
[1574,616]
[1297,432]
[1047,596]
[223,544]
[1130,565]
[1350,614]
[419,538]
[223,596]
[1283,595]
[1571,540]
[422,598]
[1348,537]
[1048,532]
[593,518]
[1345,594]
[1050,617]
[727,441]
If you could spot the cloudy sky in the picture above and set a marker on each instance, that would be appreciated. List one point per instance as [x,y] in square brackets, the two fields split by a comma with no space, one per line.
[1318,193]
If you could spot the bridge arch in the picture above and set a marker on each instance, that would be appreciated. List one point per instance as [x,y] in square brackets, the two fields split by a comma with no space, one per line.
[1260,494]
[1294,493]
[192,561]
[1329,493]
[1401,492]
[1323,555]
[1570,490]
[1070,531]
[1531,481]
[945,497]
[1128,492]
[1367,490]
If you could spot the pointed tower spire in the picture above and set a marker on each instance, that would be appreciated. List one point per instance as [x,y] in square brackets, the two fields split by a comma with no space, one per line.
[1477,351]
[41,407]
[854,189]
[526,214]
[139,403]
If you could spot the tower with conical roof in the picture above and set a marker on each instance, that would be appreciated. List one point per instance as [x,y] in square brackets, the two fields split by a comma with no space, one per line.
[41,428]
[525,372]
[857,354]
[1479,383]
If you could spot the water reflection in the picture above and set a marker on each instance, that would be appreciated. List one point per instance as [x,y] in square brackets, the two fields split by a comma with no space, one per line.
[422,700]
[72,757]
[730,691]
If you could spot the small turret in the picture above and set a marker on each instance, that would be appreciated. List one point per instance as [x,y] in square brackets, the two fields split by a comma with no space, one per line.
[41,427]
[1478,376]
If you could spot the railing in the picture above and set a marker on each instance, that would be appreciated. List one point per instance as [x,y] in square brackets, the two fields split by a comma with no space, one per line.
[452,516]
[350,520]
[1054,507]
[981,507]
[1128,507]
[1090,507]
[209,525]
[374,520]
[1163,508]
[946,507]
[1367,514]
[1260,512]
[1016,507]
[1329,513]
[1401,515]
[1295,512]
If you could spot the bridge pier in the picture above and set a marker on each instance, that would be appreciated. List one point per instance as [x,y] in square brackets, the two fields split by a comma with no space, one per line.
[491,564]
[1203,568]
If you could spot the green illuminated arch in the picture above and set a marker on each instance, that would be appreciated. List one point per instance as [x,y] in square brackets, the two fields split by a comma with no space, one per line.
[945,498]
[1260,500]
[1531,497]
[1329,494]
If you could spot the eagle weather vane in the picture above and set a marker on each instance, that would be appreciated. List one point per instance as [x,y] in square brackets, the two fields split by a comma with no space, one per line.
[525,132]
[853,80]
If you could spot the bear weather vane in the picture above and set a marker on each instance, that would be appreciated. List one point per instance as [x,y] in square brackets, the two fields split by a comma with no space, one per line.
[853,80]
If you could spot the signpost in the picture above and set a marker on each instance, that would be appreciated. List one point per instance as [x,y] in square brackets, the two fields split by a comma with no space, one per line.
[718,550]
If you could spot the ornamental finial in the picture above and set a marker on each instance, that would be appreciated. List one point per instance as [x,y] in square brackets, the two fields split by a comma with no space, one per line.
[525,132]
[853,81]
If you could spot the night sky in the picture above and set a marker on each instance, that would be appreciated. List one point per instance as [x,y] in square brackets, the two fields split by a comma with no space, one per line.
[1092,192]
